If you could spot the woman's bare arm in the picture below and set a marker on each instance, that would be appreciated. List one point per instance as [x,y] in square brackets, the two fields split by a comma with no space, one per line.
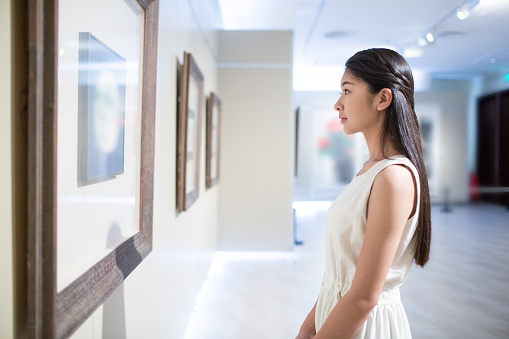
[390,205]
[308,329]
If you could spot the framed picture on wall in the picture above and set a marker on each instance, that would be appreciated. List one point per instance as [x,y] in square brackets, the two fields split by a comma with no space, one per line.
[91,118]
[296,143]
[191,100]
[101,110]
[213,134]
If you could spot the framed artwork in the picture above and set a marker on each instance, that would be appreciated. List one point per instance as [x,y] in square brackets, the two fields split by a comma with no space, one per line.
[296,145]
[91,114]
[213,133]
[101,111]
[190,100]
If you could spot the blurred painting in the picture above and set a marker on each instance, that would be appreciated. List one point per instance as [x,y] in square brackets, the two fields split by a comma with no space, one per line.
[212,144]
[190,152]
[101,110]
[337,152]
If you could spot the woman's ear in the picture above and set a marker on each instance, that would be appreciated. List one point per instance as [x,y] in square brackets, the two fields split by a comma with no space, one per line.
[384,99]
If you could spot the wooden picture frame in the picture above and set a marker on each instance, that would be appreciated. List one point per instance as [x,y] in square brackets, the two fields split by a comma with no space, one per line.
[54,313]
[190,107]
[213,137]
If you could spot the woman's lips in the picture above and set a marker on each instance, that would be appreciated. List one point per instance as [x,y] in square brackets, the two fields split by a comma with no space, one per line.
[342,119]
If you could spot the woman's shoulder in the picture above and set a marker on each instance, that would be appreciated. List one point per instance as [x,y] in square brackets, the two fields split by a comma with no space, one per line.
[397,171]
[395,174]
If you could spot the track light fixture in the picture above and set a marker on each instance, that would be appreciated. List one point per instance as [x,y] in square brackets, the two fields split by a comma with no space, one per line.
[430,37]
[463,12]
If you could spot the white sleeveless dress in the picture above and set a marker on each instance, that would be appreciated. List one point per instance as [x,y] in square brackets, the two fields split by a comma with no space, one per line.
[345,228]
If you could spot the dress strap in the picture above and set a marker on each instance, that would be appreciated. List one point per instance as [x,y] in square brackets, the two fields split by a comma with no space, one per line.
[395,160]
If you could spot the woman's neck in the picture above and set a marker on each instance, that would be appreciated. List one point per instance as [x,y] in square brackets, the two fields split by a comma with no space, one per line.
[376,149]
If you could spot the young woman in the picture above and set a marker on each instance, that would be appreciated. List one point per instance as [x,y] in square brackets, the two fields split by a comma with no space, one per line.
[381,223]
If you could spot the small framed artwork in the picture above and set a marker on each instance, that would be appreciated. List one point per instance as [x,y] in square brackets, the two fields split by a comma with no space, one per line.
[101,111]
[190,107]
[213,133]
[91,123]
[296,145]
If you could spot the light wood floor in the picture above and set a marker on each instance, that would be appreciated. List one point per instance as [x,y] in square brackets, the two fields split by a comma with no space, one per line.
[462,293]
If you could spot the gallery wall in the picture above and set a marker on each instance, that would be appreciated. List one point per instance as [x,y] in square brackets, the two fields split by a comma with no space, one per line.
[157,299]
[255,76]
[448,99]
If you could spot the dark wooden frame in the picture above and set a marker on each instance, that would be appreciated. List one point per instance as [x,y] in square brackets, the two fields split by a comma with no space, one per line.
[189,70]
[53,314]
[212,101]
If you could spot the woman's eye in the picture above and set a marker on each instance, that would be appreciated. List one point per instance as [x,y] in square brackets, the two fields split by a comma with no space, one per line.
[346,91]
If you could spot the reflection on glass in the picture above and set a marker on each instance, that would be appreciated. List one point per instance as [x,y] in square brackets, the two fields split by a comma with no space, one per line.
[101,109]
[99,73]
[214,142]
[190,161]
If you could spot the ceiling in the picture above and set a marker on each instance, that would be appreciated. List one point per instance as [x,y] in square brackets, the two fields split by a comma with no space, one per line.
[327,32]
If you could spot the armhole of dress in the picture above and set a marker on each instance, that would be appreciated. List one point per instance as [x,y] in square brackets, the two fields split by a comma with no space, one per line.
[416,190]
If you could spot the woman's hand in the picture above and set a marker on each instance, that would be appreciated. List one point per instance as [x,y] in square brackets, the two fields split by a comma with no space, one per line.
[303,335]
[308,330]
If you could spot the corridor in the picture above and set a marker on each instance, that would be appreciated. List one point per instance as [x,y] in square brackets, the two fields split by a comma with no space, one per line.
[463,292]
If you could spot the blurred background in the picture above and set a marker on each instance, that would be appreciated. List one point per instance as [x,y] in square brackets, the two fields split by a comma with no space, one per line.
[459,54]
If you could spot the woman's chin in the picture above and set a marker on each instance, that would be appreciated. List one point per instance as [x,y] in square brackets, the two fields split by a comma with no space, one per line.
[348,131]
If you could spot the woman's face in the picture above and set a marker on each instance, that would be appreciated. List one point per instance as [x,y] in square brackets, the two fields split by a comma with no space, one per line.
[357,106]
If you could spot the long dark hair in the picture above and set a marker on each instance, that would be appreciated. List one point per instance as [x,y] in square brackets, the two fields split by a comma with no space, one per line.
[383,68]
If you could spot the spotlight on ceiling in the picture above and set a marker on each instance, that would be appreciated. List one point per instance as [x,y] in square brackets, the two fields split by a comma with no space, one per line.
[462,13]
[430,37]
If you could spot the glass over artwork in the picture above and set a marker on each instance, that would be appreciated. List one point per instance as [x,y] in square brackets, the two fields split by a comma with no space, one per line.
[192,125]
[101,111]
[99,127]
[214,159]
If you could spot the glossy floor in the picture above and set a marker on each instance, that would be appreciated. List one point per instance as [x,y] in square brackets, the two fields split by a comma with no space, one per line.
[462,293]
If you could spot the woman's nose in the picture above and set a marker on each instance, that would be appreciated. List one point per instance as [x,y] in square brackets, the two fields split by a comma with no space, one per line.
[337,105]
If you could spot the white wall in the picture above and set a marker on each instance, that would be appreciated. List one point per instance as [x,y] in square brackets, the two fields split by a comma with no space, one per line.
[450,98]
[6,249]
[157,299]
[495,82]
[256,167]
